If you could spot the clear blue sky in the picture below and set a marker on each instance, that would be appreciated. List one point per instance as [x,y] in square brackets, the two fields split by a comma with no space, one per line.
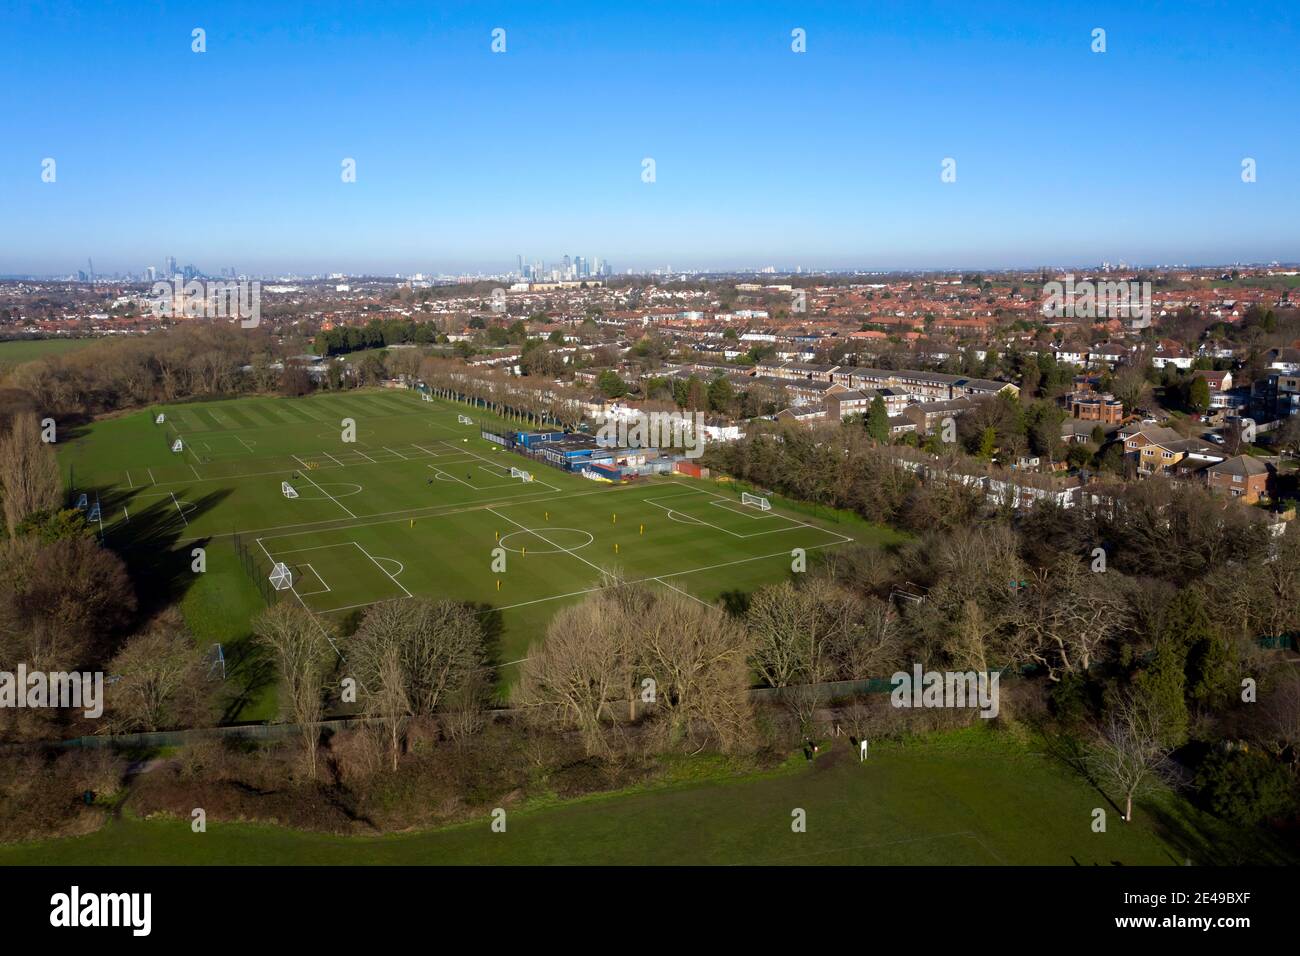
[465,158]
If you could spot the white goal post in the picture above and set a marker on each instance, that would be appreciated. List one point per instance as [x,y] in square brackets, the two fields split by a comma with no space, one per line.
[464,420]
[178,445]
[288,490]
[281,576]
[520,473]
[756,501]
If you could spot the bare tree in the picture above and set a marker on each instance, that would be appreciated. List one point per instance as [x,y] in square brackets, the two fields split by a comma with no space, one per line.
[571,678]
[410,654]
[698,656]
[161,679]
[60,602]
[1068,617]
[1128,755]
[304,655]
[29,472]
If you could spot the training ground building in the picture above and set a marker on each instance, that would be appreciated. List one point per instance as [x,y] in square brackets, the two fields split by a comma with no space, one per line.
[580,453]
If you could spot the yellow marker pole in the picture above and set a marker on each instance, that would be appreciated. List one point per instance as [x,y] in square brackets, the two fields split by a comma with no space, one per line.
[615,521]
[498,584]
[548,516]
[523,550]
[412,522]
[498,535]
[616,547]
[643,529]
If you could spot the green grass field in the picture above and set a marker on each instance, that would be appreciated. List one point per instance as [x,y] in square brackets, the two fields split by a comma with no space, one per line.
[967,798]
[415,505]
[18,351]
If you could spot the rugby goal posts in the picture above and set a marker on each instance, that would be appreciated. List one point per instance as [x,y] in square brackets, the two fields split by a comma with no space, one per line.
[288,490]
[464,420]
[755,501]
[520,474]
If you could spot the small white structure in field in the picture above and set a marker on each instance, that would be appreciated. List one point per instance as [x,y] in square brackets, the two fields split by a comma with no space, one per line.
[178,445]
[281,576]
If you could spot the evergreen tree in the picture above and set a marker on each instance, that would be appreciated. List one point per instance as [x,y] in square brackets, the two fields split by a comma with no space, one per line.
[877,420]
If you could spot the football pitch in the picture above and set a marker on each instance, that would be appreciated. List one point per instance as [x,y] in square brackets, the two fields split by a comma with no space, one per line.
[397,496]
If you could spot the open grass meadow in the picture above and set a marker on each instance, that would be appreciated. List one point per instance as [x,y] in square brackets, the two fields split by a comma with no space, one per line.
[972,797]
[15,352]
[397,497]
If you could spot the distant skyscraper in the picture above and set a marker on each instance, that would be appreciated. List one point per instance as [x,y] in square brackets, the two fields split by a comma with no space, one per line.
[171,266]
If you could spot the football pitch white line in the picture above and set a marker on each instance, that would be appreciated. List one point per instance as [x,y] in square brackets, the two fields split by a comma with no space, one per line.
[735,534]
[324,584]
[324,492]
[452,477]
[660,577]
[397,453]
[319,547]
[178,509]
[306,608]
[680,591]
[538,534]
[385,570]
[438,511]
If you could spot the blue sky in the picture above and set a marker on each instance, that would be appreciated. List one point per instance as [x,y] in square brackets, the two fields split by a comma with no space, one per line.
[465,158]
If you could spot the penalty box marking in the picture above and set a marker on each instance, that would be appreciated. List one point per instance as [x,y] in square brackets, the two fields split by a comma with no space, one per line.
[692,519]
[324,588]
[277,555]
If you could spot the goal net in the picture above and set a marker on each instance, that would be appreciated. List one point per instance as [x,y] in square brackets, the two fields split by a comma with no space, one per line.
[755,501]
[160,419]
[288,490]
[464,420]
[281,576]
[178,445]
[520,474]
